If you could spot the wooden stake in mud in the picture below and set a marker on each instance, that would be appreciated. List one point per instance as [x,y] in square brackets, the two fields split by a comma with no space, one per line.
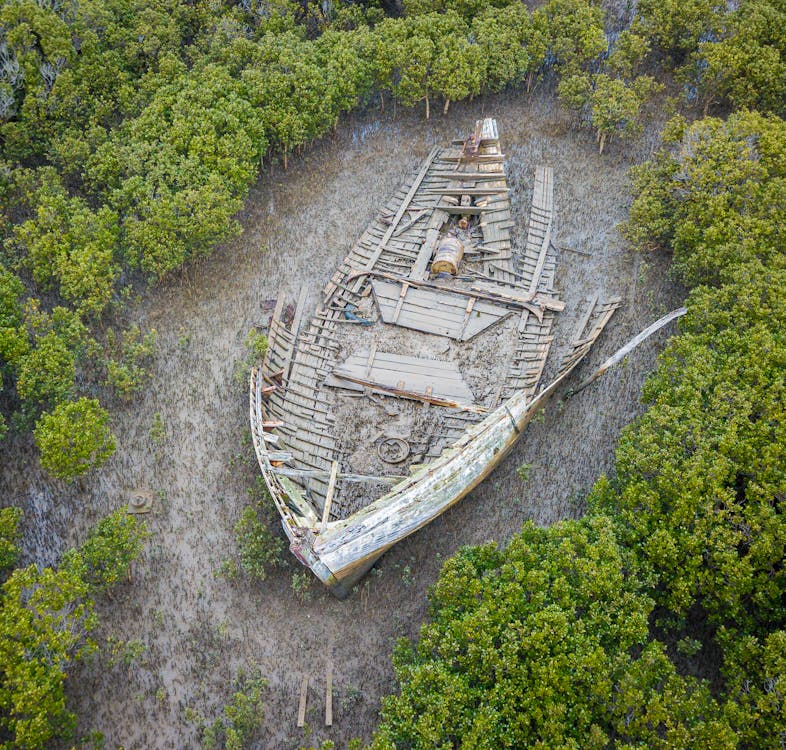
[329,696]
[301,711]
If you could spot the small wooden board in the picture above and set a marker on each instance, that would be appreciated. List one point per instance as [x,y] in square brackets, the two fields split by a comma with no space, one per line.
[301,710]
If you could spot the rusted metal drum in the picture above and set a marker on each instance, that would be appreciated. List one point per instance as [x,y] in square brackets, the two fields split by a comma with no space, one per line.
[448,256]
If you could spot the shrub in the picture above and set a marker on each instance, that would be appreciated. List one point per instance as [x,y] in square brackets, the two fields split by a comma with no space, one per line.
[74,438]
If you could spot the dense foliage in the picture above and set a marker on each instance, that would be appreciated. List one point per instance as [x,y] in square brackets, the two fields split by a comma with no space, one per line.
[543,645]
[46,617]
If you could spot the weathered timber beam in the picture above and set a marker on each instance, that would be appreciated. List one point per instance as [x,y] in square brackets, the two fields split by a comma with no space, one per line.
[316,474]
[470,176]
[479,159]
[458,192]
[621,353]
[413,395]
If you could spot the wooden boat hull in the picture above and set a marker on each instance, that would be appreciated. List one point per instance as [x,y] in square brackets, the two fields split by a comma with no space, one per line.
[341,551]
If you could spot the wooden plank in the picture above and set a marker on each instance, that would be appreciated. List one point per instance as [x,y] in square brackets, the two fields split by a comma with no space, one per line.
[419,395]
[480,321]
[420,315]
[469,176]
[271,336]
[585,318]
[541,300]
[319,474]
[329,495]
[414,220]
[434,364]
[423,371]
[412,384]
[445,308]
[479,159]
[370,360]
[431,297]
[543,200]
[410,380]
[467,313]
[329,696]
[420,266]
[301,304]
[301,711]
[445,370]
[458,192]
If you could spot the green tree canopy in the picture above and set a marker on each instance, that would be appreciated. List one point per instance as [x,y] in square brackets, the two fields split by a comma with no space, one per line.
[74,438]
[513,45]
[715,197]
[71,248]
[575,31]
[701,481]
[532,646]
[675,27]
[9,537]
[46,617]
[46,375]
[746,66]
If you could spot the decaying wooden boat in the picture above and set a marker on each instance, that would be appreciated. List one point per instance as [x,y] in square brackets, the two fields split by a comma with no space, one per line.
[420,366]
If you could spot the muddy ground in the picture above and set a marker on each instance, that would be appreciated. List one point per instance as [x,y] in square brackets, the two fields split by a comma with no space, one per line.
[186,439]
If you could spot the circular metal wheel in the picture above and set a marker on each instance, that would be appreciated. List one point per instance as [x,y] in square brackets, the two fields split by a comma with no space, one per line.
[393,450]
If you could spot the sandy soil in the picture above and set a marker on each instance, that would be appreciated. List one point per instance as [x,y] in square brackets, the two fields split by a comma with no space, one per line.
[198,628]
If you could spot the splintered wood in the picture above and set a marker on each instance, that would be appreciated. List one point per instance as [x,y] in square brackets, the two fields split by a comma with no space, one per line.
[462,356]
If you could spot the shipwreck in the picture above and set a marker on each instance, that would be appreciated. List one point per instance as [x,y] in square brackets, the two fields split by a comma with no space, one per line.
[418,367]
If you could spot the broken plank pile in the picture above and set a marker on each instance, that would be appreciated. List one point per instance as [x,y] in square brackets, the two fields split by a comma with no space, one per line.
[589,328]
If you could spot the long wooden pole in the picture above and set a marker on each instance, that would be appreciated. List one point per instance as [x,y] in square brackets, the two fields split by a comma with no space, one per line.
[620,354]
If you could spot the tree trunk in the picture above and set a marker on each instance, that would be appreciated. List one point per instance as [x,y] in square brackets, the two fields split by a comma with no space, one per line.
[427,106]
[601,142]
[445,108]
[285,161]
[381,101]
[530,76]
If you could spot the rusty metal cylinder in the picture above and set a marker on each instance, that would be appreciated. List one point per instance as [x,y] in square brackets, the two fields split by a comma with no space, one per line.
[448,256]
